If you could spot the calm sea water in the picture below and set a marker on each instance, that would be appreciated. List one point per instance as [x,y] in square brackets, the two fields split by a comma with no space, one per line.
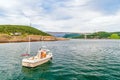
[73,60]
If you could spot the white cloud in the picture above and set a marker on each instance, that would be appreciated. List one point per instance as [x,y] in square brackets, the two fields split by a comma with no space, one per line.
[76,3]
[73,16]
[9,4]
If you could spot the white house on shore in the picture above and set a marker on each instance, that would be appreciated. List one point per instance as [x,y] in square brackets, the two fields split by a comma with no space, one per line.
[16,34]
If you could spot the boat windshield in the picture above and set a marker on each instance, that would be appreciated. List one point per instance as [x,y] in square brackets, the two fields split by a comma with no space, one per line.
[43,48]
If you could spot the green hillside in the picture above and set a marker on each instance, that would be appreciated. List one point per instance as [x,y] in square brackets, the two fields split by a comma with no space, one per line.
[101,35]
[8,29]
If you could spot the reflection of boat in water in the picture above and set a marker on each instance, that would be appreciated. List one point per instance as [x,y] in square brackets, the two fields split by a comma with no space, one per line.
[44,55]
[42,68]
[37,72]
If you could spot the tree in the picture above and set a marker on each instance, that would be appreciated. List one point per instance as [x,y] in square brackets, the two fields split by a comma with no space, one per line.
[103,34]
[114,36]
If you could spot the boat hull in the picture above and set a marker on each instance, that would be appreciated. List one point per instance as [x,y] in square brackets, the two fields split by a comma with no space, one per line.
[36,62]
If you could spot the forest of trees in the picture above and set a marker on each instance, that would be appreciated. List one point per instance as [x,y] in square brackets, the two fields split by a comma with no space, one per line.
[8,29]
[96,35]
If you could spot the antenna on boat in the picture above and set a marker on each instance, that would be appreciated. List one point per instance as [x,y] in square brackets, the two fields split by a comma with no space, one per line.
[29,46]
[28,50]
[42,40]
[30,22]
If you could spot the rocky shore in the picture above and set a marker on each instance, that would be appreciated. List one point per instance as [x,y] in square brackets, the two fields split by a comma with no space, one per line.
[4,38]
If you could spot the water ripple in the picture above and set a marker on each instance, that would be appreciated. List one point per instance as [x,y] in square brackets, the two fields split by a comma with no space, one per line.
[73,60]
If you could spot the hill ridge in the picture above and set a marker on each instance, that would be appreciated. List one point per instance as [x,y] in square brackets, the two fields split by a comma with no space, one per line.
[23,29]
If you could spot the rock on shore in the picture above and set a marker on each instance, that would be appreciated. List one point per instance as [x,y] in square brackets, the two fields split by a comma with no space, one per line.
[4,38]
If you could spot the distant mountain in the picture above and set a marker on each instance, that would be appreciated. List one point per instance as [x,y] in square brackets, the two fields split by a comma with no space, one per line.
[57,34]
[71,35]
[64,34]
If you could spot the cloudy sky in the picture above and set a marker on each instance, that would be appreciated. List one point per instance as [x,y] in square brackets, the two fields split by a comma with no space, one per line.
[63,15]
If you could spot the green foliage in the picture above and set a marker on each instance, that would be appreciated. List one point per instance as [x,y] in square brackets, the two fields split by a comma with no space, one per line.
[98,35]
[114,36]
[101,34]
[8,29]
[79,37]
[71,35]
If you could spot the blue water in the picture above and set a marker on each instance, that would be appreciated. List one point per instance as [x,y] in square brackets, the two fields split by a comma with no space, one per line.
[72,60]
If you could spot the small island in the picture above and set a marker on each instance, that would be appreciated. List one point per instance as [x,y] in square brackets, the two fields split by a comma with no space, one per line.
[21,33]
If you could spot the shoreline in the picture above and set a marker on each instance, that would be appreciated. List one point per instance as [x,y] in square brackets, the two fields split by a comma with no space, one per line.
[33,38]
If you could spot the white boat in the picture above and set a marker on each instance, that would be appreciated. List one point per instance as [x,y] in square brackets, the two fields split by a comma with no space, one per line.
[43,56]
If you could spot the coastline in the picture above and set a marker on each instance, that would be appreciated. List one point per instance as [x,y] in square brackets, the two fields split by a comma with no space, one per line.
[10,39]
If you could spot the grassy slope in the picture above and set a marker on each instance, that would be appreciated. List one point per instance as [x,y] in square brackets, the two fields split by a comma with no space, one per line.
[7,29]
